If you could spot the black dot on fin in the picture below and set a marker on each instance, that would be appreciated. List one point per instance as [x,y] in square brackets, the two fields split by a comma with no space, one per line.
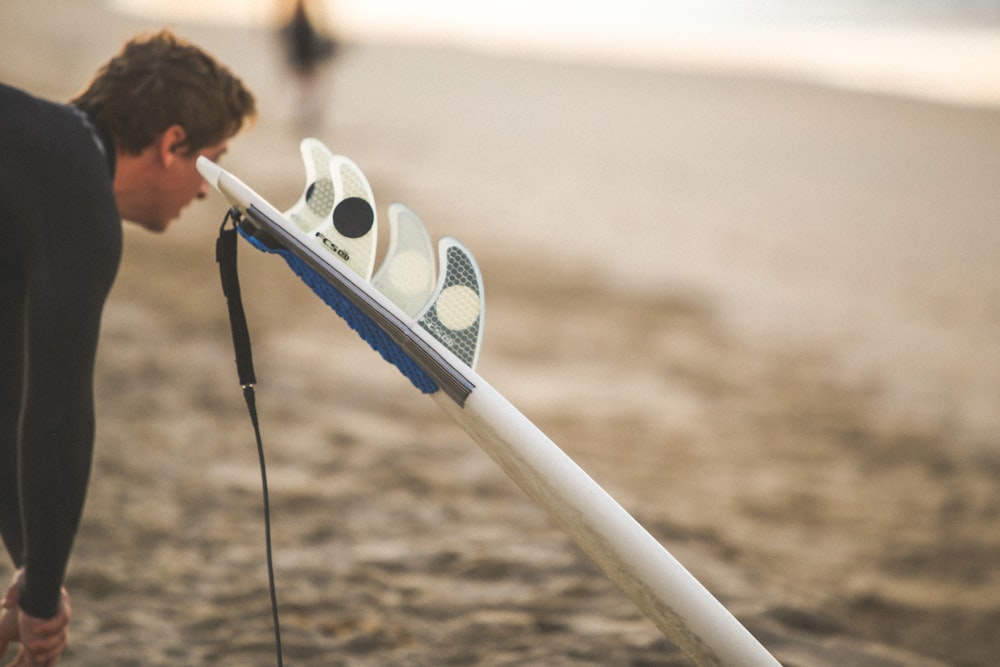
[353,217]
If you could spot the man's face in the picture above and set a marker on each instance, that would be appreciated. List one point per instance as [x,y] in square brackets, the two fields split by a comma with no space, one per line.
[178,185]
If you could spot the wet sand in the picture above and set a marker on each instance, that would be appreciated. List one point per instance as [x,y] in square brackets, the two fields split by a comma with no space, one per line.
[784,368]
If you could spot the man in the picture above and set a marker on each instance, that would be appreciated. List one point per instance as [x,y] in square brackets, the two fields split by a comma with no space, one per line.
[124,148]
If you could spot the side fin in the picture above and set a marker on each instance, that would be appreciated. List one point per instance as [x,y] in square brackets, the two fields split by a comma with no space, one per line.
[315,205]
[455,313]
[407,274]
[338,207]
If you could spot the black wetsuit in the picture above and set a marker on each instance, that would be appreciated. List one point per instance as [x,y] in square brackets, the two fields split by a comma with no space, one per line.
[60,246]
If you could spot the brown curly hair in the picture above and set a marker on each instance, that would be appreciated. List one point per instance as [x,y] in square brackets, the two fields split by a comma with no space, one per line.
[160,80]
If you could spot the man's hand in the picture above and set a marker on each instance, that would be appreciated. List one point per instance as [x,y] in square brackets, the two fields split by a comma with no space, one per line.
[9,613]
[8,629]
[42,639]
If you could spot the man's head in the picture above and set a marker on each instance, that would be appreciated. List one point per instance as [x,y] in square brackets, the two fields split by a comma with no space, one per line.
[165,102]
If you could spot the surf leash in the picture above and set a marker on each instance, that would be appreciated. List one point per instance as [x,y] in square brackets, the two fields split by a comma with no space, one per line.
[225,255]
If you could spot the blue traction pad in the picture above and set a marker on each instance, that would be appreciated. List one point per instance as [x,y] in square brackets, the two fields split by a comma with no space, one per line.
[370,332]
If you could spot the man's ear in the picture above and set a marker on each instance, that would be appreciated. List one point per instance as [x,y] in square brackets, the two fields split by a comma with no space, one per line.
[171,144]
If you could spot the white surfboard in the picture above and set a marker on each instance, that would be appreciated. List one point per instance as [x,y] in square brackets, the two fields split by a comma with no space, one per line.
[443,338]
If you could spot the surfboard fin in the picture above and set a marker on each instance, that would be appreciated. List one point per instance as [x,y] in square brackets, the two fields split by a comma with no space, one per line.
[407,274]
[337,207]
[336,213]
[455,313]
[450,308]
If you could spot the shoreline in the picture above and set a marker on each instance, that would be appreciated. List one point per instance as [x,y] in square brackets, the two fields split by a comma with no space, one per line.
[915,53]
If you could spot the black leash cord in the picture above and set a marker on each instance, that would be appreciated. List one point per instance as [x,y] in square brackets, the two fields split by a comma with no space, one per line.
[249,396]
[225,255]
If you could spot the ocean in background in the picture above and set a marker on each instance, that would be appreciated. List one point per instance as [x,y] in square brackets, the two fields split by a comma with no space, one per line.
[933,49]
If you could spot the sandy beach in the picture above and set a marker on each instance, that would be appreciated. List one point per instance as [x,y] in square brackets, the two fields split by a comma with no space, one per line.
[764,315]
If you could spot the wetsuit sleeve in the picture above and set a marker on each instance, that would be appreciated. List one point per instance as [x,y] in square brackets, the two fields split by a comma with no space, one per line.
[68,236]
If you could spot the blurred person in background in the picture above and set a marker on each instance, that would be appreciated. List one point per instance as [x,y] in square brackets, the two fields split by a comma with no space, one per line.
[307,48]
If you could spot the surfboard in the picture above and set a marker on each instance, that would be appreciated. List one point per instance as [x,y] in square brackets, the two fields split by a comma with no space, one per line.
[429,323]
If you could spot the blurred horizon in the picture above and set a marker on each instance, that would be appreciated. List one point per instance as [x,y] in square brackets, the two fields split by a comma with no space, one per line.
[947,51]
